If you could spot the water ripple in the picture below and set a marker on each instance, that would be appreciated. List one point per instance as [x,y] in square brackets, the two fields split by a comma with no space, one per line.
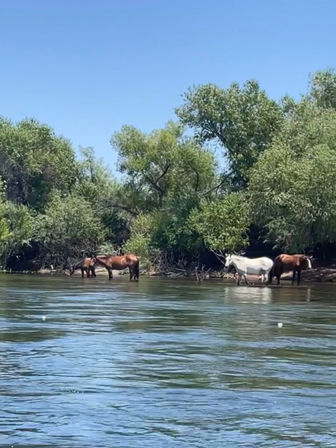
[164,363]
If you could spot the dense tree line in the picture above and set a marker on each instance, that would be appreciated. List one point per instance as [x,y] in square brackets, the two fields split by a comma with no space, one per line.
[174,204]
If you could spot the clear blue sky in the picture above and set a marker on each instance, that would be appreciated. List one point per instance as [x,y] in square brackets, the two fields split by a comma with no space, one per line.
[88,67]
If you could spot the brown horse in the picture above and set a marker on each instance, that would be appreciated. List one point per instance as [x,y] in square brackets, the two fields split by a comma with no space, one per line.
[286,263]
[119,262]
[85,265]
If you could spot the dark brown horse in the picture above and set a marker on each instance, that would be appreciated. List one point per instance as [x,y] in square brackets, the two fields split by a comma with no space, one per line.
[119,262]
[85,265]
[286,263]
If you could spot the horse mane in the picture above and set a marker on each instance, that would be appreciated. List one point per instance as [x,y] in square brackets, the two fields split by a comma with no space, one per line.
[237,256]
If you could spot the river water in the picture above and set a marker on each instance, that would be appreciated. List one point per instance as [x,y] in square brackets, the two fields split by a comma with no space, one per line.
[165,363]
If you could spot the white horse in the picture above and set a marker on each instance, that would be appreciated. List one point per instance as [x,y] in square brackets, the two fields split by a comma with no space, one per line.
[249,266]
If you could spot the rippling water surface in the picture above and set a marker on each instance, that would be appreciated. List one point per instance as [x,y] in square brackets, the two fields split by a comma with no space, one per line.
[165,363]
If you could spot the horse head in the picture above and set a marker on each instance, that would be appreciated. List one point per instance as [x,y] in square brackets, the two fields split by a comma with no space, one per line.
[228,260]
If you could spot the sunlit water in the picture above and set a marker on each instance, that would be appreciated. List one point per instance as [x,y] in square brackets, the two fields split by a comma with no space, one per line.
[165,363]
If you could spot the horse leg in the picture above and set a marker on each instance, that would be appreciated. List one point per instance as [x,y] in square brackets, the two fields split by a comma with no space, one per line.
[266,275]
[298,277]
[263,277]
[87,272]
[293,279]
[110,273]
[131,273]
[238,279]
[245,278]
[136,270]
[279,274]
[82,270]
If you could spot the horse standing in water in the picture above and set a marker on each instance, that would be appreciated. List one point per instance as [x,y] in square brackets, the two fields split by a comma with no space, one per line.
[85,265]
[286,263]
[249,266]
[119,262]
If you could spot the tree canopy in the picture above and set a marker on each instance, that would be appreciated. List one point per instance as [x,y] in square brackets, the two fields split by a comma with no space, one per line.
[243,120]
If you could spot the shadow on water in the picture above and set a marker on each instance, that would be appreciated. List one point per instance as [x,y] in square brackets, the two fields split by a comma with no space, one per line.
[88,362]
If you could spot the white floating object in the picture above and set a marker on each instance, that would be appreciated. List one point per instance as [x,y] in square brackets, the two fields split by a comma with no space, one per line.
[280,324]
[44,317]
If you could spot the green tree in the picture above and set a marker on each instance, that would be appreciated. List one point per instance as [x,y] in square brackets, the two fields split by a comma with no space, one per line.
[307,126]
[167,176]
[223,224]
[323,88]
[140,242]
[18,226]
[291,185]
[68,227]
[34,162]
[243,120]
[163,164]
[4,224]
[98,186]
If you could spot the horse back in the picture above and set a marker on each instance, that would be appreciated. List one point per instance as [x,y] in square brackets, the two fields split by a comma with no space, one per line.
[120,261]
[253,265]
[291,262]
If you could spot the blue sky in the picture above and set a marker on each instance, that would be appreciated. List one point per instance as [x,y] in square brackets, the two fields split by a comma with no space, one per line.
[87,67]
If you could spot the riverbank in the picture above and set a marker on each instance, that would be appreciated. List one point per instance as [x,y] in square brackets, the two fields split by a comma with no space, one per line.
[316,275]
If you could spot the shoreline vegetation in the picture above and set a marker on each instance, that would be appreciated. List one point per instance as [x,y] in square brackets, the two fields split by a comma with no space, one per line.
[236,171]
[320,274]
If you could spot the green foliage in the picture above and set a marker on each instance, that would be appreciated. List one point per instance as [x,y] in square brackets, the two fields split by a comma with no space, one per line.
[34,162]
[4,224]
[307,126]
[17,225]
[97,185]
[244,120]
[95,181]
[223,224]
[69,227]
[163,164]
[141,236]
[291,187]
[323,88]
[168,174]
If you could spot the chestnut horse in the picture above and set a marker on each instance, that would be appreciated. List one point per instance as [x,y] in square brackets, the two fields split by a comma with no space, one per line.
[286,263]
[119,262]
[85,265]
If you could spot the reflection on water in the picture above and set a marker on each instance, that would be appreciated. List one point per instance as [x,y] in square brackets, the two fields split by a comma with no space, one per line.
[92,363]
